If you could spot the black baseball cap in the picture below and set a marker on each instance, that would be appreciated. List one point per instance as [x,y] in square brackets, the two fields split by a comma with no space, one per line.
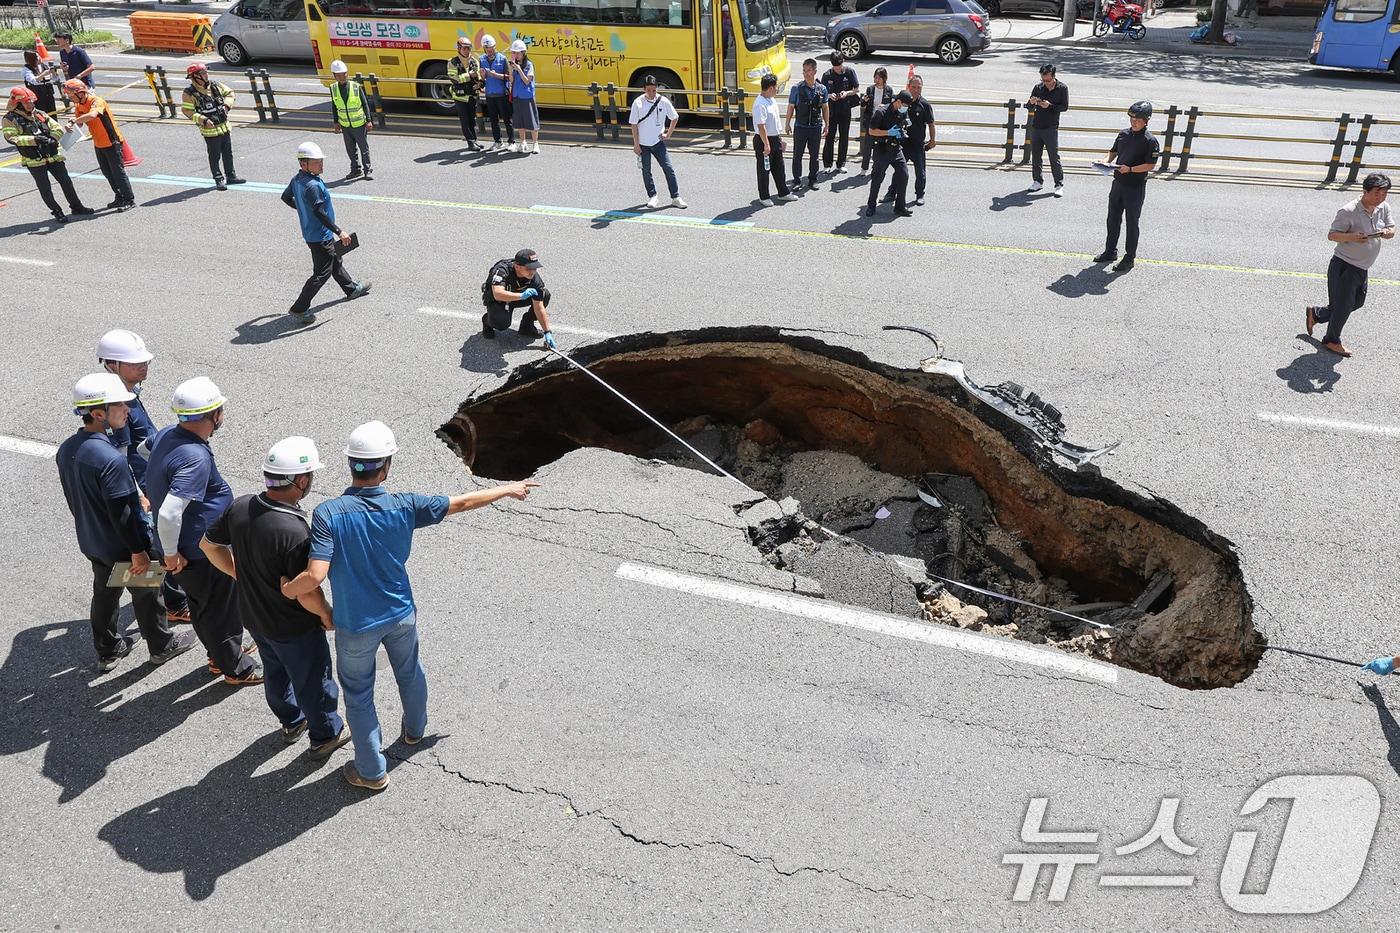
[904,97]
[649,81]
[527,258]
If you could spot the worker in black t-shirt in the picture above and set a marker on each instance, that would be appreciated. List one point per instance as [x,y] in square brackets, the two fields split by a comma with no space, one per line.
[843,92]
[261,541]
[516,283]
[1135,153]
[921,136]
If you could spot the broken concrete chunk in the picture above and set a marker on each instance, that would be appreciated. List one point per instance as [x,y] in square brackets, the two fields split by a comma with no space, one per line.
[946,609]
[852,574]
[806,586]
[759,513]
[790,506]
[840,488]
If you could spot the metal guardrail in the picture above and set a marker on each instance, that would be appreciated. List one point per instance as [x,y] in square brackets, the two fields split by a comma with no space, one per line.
[1344,142]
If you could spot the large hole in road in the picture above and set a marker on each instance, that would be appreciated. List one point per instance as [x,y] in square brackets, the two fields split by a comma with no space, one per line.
[926,470]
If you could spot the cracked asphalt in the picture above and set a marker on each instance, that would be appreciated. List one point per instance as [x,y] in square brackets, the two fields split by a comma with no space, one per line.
[604,754]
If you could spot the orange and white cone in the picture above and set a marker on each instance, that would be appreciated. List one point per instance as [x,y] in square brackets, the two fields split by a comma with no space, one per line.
[129,157]
[39,48]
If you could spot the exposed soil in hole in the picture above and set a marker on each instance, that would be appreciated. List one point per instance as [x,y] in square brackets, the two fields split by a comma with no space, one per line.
[925,469]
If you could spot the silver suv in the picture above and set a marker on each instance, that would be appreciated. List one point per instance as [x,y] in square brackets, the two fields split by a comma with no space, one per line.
[951,29]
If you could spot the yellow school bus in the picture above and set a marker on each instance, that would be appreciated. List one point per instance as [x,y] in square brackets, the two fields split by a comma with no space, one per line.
[690,45]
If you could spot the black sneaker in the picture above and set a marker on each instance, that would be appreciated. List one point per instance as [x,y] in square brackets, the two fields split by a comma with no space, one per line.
[125,206]
[178,645]
[112,205]
[291,733]
[903,212]
[869,211]
[82,211]
[219,185]
[58,216]
[353,174]
[106,664]
[1107,255]
[369,176]
[1124,264]
[235,180]
[488,334]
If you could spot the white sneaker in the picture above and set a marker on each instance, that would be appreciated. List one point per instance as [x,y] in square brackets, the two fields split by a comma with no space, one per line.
[536,150]
[654,202]
[1059,191]
[840,169]
[677,202]
[787,197]
[512,148]
[1035,186]
[918,202]
[766,202]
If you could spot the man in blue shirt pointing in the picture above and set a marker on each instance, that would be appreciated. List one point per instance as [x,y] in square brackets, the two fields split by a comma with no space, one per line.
[362,540]
[308,194]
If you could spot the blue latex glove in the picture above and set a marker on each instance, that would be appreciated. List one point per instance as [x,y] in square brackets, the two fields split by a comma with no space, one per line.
[529,294]
[1380,666]
[896,132]
[549,340]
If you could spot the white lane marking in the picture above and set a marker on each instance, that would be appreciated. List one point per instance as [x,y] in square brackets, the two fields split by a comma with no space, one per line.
[894,626]
[470,315]
[22,445]
[1328,424]
[26,262]
[644,216]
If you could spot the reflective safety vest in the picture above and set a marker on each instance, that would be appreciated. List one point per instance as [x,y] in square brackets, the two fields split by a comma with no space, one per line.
[349,104]
[465,78]
[35,135]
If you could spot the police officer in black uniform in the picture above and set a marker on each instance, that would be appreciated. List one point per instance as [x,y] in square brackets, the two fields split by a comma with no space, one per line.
[888,128]
[1135,152]
[515,283]
[843,92]
[921,124]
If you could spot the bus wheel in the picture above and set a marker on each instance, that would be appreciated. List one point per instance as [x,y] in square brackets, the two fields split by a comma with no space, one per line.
[438,97]
[665,81]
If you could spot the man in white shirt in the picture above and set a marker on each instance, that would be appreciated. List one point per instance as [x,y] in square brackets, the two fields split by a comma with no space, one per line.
[768,142]
[1357,230]
[653,120]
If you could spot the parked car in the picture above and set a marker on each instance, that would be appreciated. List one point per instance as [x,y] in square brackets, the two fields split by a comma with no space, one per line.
[1083,9]
[951,29]
[263,29]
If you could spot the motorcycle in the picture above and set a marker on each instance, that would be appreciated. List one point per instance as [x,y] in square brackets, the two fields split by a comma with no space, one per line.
[1121,17]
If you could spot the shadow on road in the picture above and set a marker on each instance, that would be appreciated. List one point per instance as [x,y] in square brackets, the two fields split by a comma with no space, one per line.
[48,696]
[1313,372]
[33,228]
[1091,280]
[604,221]
[1022,198]
[1390,729]
[270,327]
[176,197]
[480,355]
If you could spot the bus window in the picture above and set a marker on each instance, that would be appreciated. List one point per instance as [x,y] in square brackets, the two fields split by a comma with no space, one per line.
[1360,11]
[664,12]
[760,22]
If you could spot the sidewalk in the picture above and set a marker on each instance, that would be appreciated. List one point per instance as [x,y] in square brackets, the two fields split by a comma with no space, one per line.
[1285,37]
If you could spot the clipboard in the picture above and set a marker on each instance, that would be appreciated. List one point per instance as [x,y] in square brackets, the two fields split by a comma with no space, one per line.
[341,248]
[121,576]
[71,138]
[1106,168]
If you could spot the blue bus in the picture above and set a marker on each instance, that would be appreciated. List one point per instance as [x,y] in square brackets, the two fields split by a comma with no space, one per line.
[1361,34]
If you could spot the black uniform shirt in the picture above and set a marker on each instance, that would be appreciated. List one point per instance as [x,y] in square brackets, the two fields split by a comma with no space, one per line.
[920,119]
[270,541]
[886,118]
[1048,118]
[838,82]
[1135,149]
[503,274]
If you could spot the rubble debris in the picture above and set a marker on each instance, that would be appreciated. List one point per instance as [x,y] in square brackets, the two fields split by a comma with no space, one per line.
[968,476]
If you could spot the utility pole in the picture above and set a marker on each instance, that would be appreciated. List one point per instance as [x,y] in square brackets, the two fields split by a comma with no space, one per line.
[1067,22]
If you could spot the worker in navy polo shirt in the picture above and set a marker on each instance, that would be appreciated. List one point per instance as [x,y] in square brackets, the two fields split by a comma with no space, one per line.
[111,527]
[188,494]
[361,540]
[261,541]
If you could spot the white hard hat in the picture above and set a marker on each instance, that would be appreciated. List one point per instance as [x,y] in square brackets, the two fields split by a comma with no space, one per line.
[338,68]
[292,456]
[371,441]
[100,389]
[195,397]
[124,347]
[488,42]
[309,150]
[517,46]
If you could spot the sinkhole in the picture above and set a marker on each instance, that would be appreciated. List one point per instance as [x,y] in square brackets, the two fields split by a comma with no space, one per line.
[917,472]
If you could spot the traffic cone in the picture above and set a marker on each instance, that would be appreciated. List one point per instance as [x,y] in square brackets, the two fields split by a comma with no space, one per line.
[911,73]
[39,47]
[129,157]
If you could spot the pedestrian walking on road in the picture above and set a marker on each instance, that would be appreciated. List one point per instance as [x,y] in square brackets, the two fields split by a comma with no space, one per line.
[187,495]
[1048,100]
[809,106]
[495,70]
[768,142]
[888,129]
[464,73]
[36,134]
[262,541]
[1134,154]
[111,527]
[843,93]
[124,354]
[516,283]
[77,63]
[350,108]
[207,103]
[93,113]
[361,541]
[1358,229]
[876,97]
[653,119]
[308,194]
[525,116]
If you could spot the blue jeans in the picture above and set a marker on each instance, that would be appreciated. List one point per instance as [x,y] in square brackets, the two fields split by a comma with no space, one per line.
[659,153]
[354,657]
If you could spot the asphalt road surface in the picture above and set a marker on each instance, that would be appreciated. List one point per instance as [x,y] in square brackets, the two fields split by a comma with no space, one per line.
[611,753]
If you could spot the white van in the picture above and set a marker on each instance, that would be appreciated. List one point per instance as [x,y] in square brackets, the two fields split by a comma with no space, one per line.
[263,29]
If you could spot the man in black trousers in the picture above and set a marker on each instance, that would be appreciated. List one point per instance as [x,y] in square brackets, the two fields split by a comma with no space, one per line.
[1133,155]
[888,128]
[843,93]
[1048,100]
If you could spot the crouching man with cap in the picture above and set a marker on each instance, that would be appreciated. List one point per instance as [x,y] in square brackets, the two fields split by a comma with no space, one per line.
[261,541]
[516,283]
[106,507]
[361,540]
